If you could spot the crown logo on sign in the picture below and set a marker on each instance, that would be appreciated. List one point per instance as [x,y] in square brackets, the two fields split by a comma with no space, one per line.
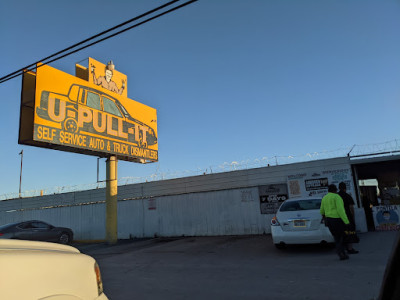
[110,66]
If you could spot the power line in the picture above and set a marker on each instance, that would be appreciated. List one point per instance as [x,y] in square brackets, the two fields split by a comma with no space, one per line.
[47,61]
[123,30]
[88,39]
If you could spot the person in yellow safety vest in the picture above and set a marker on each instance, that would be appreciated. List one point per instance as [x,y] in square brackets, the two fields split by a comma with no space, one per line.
[332,209]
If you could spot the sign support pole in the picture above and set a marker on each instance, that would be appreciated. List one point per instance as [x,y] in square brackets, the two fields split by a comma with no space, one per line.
[111,200]
[20,174]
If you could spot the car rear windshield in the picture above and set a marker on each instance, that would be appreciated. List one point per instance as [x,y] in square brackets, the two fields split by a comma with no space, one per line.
[6,226]
[301,205]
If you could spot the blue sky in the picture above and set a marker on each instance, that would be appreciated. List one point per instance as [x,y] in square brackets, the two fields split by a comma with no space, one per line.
[231,80]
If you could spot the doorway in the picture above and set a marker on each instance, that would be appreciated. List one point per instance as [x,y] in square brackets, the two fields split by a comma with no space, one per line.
[378,181]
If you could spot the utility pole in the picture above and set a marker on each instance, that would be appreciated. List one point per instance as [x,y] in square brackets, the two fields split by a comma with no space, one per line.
[20,173]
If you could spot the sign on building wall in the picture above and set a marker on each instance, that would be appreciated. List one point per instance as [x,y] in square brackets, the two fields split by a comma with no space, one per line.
[152,204]
[271,197]
[246,196]
[88,113]
[386,217]
[314,183]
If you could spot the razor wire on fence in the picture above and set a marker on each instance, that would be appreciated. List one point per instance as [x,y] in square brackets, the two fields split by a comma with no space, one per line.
[54,190]
[385,148]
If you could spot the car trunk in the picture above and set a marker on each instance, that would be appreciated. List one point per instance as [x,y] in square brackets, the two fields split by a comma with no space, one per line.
[300,220]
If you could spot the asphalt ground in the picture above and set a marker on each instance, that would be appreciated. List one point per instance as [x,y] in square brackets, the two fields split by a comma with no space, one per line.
[240,267]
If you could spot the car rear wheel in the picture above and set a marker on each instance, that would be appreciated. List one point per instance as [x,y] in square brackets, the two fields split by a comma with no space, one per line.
[64,238]
[71,125]
[280,246]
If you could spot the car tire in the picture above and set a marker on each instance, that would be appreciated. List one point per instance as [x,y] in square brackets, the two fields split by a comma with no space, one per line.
[64,238]
[280,246]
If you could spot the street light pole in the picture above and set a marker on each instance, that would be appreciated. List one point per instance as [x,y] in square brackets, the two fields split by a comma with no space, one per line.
[20,174]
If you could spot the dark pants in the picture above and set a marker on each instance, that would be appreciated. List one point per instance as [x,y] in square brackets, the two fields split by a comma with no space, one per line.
[337,227]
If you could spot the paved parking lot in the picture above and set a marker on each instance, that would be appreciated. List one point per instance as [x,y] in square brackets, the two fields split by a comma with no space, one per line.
[241,267]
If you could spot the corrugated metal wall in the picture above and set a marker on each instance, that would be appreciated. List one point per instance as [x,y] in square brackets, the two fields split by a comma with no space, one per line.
[211,213]
[214,204]
[225,212]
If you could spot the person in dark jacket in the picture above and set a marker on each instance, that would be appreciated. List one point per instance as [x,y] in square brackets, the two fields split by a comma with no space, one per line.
[349,208]
[332,209]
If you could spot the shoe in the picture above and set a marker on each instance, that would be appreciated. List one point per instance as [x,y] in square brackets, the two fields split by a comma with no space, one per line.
[352,251]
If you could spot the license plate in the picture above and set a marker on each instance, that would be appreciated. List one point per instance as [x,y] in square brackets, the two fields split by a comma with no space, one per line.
[299,223]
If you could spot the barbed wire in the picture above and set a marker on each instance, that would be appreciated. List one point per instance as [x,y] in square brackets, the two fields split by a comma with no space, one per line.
[355,150]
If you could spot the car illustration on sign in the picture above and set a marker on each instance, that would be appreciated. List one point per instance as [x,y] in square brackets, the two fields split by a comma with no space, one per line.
[91,111]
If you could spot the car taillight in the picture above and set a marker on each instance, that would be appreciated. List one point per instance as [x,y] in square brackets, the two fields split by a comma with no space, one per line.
[274,221]
[1,233]
[98,279]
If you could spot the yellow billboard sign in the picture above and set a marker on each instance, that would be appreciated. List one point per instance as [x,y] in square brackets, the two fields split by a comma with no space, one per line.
[91,117]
